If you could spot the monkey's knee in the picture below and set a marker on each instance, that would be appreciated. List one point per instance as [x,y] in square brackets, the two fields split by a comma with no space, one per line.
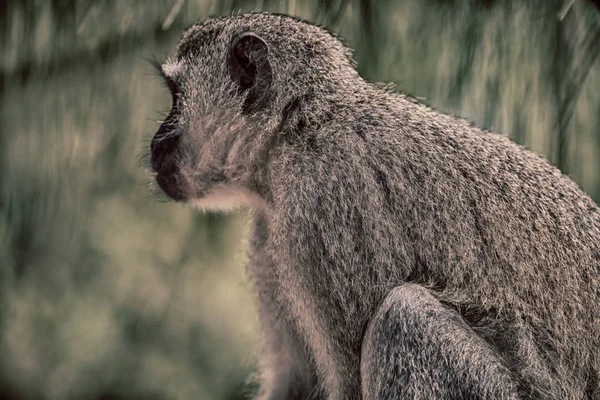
[414,347]
[409,297]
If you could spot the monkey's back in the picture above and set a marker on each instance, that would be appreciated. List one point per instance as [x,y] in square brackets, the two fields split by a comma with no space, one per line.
[390,191]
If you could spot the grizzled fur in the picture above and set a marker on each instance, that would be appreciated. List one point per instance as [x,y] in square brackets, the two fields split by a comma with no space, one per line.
[397,252]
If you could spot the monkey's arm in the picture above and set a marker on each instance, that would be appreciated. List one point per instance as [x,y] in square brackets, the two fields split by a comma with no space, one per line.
[285,372]
[415,348]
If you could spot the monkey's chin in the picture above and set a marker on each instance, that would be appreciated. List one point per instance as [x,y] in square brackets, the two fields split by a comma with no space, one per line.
[170,186]
[225,198]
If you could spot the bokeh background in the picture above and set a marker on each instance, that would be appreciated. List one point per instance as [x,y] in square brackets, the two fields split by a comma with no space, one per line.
[106,292]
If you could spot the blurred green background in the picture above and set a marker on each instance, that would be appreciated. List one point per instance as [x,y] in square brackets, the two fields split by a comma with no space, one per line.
[108,293]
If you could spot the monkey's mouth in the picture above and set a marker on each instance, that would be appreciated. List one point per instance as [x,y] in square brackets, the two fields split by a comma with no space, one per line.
[170,184]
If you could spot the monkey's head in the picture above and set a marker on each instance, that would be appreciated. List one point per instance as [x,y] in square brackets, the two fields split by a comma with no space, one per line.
[238,85]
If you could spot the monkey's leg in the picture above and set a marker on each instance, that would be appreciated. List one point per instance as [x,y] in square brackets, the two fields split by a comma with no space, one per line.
[415,348]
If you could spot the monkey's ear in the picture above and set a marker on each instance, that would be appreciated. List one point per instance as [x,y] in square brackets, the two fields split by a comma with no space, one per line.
[250,68]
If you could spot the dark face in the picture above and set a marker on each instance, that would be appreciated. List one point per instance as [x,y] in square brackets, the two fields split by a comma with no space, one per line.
[218,81]
[164,150]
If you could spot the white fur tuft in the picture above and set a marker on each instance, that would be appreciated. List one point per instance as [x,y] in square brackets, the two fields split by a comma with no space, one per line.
[226,199]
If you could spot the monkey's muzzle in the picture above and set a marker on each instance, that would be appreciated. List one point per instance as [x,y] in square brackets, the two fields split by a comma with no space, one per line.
[164,162]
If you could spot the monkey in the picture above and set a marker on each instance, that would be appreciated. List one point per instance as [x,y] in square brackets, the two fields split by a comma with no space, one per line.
[396,252]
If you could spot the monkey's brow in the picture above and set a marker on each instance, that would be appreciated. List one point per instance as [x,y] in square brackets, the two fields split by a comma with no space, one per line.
[167,69]
[170,68]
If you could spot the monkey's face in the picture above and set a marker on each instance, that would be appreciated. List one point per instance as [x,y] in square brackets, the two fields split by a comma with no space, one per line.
[209,144]
[239,85]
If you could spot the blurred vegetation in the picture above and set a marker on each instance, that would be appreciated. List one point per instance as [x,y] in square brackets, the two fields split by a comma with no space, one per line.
[106,293]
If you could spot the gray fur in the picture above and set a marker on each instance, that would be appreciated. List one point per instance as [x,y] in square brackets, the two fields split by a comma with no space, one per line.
[471,263]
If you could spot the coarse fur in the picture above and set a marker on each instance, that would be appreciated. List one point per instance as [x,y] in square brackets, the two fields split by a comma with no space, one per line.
[397,252]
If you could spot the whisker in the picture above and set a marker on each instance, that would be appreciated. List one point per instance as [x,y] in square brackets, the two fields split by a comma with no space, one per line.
[144,161]
[155,120]
[155,64]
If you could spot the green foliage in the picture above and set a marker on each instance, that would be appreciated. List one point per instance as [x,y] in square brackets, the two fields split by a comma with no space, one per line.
[107,293]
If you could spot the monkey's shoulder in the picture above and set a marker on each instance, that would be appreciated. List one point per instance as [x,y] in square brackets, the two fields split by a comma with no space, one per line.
[403,154]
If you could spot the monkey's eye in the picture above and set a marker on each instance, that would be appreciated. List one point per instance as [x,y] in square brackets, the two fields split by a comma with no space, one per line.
[173,88]
[168,81]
